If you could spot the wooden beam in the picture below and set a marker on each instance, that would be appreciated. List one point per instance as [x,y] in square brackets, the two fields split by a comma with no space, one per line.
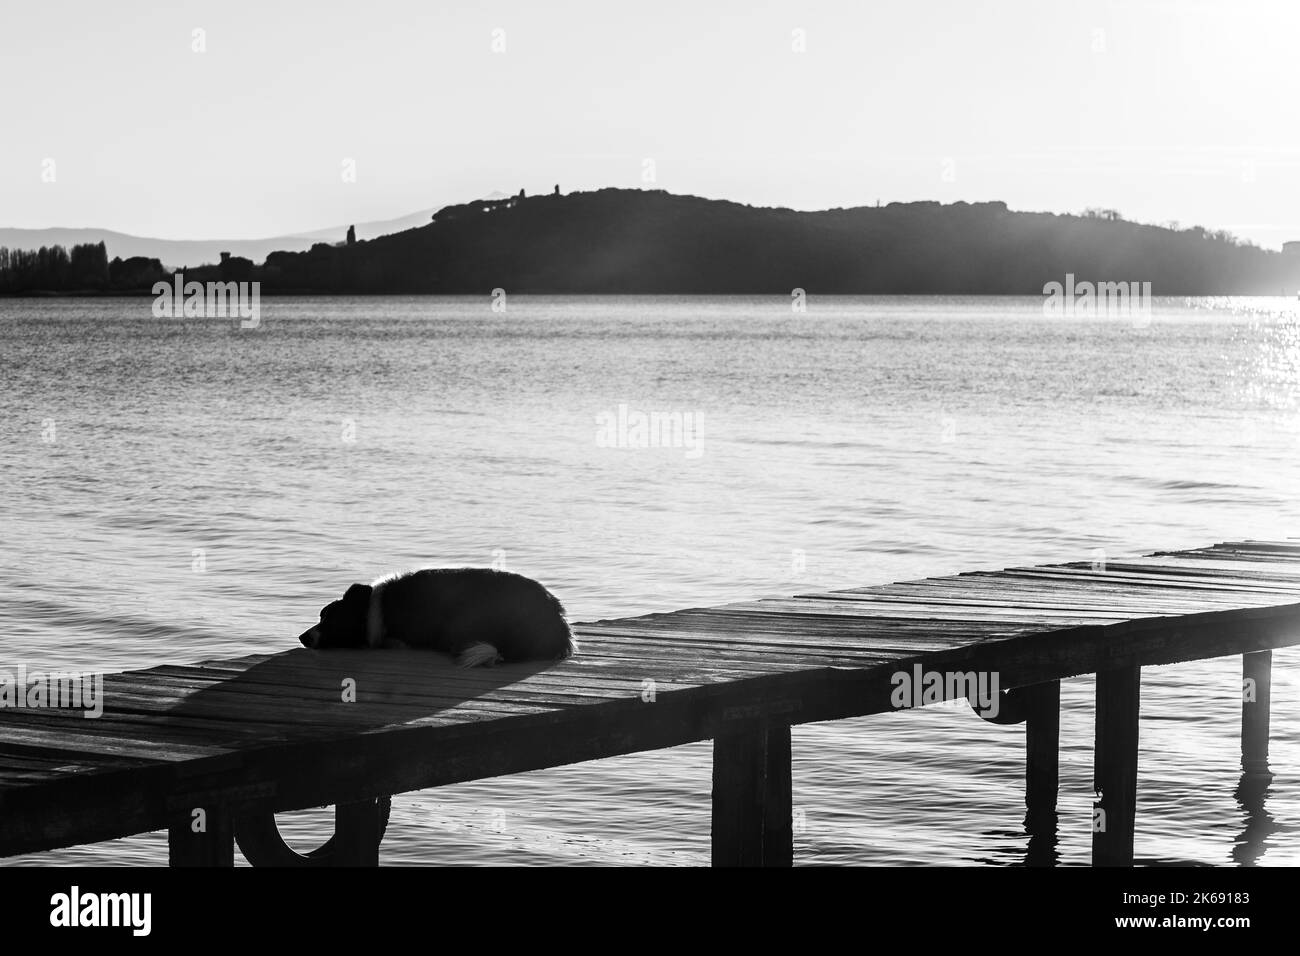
[752,796]
[1115,759]
[202,836]
[1257,677]
[1042,704]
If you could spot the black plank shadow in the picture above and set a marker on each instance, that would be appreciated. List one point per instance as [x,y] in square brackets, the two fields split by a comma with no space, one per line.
[311,694]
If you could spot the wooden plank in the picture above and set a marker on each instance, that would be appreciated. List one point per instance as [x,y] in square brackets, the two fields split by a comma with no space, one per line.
[737,651]
[1217,566]
[832,632]
[1091,600]
[724,645]
[1121,576]
[568,674]
[1059,594]
[830,623]
[380,696]
[589,681]
[843,635]
[156,727]
[1278,551]
[261,705]
[1169,583]
[1086,589]
[374,697]
[1291,545]
[1226,573]
[56,741]
[943,606]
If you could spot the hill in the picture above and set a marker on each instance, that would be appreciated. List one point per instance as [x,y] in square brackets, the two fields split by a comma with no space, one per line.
[636,241]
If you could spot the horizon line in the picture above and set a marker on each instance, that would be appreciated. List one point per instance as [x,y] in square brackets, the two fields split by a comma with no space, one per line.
[307,234]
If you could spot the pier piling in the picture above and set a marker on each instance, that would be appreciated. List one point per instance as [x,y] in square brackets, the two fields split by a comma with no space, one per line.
[1115,759]
[1257,674]
[1042,704]
[752,809]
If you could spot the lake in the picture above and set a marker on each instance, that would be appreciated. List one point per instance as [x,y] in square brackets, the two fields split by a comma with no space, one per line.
[185,489]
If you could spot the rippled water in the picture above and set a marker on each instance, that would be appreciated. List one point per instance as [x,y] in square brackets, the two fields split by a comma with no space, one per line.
[878,438]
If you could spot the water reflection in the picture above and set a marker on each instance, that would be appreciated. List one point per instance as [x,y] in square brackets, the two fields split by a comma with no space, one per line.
[1252,842]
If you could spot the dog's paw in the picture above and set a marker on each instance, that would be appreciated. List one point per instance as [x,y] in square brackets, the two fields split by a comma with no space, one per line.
[479,655]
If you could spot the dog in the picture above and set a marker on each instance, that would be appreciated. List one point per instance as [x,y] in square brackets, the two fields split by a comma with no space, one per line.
[480,616]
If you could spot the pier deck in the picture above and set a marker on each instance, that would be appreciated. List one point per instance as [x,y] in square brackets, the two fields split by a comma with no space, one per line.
[228,743]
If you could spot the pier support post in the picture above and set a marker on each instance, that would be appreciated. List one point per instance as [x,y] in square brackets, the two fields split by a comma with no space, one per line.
[1114,770]
[212,844]
[1042,703]
[1257,675]
[357,834]
[752,808]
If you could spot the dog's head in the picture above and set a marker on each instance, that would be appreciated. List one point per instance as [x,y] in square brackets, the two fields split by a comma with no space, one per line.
[342,622]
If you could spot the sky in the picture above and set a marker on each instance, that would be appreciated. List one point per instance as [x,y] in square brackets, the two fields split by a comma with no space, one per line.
[242,120]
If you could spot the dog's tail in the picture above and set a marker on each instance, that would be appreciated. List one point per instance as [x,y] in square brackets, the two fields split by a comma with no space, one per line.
[568,643]
[570,646]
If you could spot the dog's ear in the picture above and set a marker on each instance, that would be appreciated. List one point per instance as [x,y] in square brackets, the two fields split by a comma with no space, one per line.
[358,592]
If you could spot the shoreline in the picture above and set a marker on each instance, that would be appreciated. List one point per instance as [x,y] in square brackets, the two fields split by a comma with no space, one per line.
[324,293]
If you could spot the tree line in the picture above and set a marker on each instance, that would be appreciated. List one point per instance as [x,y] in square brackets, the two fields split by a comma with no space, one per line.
[85,269]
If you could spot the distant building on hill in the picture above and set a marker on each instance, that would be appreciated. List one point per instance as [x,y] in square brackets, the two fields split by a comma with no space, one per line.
[234,268]
[1291,248]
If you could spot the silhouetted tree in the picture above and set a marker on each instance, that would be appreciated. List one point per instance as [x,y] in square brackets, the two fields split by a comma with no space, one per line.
[137,272]
[88,267]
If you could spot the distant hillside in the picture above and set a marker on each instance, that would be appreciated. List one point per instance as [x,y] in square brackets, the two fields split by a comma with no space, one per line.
[173,253]
[177,253]
[365,230]
[634,241]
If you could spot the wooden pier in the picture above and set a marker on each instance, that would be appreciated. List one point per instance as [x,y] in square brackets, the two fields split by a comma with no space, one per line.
[211,751]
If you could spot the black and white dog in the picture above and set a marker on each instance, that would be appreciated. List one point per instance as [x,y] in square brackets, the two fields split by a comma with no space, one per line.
[478,615]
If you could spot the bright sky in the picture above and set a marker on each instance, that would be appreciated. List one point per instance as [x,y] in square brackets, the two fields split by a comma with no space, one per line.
[1164,110]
